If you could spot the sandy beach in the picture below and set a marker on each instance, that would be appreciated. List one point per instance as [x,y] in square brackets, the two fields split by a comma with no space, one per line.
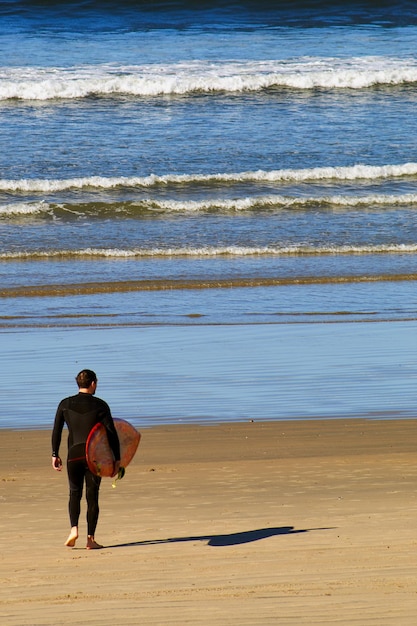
[304,522]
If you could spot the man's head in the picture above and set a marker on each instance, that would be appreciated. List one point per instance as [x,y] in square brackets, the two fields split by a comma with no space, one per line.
[86,379]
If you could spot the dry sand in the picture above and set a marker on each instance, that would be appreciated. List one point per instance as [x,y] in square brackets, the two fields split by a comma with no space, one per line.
[292,523]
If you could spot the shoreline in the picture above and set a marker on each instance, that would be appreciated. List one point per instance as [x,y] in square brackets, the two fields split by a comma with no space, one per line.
[146,426]
[297,432]
[295,522]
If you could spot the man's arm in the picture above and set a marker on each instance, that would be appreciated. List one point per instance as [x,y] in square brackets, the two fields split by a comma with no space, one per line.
[113,439]
[114,444]
[56,438]
[108,423]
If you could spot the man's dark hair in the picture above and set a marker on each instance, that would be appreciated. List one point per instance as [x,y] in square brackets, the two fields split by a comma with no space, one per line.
[85,378]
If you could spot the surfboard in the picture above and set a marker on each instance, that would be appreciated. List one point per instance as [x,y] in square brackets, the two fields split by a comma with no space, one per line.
[98,452]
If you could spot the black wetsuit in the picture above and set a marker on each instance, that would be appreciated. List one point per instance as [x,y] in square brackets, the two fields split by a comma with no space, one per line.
[80,413]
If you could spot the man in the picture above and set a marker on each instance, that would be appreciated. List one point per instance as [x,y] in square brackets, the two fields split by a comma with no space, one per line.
[80,413]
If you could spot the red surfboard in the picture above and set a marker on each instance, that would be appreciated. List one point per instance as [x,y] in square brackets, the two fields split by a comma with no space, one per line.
[100,458]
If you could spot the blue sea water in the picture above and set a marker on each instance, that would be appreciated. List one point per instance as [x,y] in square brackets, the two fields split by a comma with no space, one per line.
[179,176]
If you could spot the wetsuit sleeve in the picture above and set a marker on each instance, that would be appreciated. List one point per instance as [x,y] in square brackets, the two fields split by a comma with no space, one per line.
[57,429]
[112,435]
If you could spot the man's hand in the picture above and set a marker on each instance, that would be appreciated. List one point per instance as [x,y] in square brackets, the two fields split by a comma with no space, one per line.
[57,463]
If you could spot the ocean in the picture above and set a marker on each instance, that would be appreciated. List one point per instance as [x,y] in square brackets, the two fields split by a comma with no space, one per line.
[211,204]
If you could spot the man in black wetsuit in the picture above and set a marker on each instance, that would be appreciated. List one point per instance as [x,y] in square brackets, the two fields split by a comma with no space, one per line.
[80,413]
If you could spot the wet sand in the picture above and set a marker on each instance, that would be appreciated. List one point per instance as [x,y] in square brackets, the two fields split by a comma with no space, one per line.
[303,522]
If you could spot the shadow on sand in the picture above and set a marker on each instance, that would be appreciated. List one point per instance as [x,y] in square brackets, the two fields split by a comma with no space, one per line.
[232,539]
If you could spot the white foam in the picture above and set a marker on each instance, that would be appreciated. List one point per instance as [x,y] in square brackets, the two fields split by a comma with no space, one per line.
[213,252]
[24,209]
[31,209]
[348,173]
[202,76]
[269,201]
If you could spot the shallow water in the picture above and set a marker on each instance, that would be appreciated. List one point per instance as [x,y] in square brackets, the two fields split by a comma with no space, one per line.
[184,374]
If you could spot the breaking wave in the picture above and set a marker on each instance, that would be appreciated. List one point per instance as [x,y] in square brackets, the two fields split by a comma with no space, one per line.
[187,78]
[142,207]
[316,174]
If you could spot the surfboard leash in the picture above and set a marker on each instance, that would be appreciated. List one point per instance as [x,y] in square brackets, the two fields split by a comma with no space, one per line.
[119,476]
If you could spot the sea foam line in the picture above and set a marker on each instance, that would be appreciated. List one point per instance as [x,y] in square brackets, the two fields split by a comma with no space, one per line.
[210,252]
[348,173]
[132,209]
[37,83]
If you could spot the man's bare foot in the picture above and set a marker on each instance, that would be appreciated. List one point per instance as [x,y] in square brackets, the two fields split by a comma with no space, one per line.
[92,544]
[72,537]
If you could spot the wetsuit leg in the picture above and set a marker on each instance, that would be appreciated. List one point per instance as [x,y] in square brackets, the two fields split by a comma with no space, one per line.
[76,472]
[92,484]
